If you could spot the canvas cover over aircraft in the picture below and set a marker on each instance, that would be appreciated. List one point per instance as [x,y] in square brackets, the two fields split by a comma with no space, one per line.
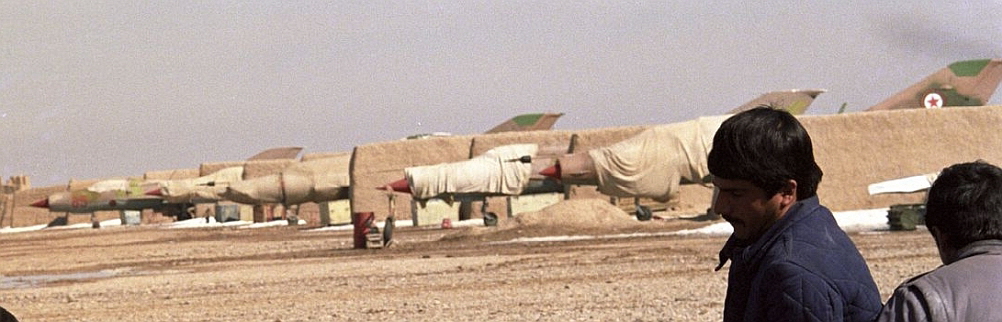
[319,180]
[327,179]
[498,172]
[626,169]
[504,170]
[204,189]
[130,194]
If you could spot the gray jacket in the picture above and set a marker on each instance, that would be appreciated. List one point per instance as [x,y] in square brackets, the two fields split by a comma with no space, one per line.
[969,289]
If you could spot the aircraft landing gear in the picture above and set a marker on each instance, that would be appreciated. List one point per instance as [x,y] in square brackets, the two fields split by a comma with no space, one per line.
[643,213]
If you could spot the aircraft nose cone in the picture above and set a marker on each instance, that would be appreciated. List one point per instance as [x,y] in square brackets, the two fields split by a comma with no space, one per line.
[44,203]
[398,186]
[155,192]
[551,172]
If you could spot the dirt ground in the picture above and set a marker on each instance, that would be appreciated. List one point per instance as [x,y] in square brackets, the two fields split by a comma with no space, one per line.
[292,273]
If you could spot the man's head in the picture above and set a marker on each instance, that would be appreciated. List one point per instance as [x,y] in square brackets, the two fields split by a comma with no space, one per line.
[964,205]
[762,161]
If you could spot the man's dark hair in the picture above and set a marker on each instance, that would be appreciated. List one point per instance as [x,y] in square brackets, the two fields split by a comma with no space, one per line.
[767,147]
[965,203]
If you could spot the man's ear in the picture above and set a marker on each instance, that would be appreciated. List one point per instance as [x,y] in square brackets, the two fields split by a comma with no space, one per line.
[946,253]
[789,192]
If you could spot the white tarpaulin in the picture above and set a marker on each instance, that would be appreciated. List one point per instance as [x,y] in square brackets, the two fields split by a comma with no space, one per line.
[903,185]
[497,171]
[653,163]
[205,188]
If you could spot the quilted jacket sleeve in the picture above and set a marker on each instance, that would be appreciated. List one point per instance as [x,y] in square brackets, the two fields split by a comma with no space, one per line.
[792,293]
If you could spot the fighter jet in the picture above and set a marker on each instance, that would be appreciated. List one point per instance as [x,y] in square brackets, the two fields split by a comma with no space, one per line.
[113,194]
[506,170]
[963,83]
[204,189]
[651,164]
[462,180]
[637,167]
[130,194]
[327,179]
[503,170]
[320,180]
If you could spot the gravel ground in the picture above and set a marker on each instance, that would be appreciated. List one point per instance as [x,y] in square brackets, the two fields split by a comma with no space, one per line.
[460,274]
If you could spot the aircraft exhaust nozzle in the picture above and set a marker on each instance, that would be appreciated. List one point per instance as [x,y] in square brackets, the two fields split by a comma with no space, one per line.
[577,168]
[44,203]
[398,186]
[551,172]
[155,192]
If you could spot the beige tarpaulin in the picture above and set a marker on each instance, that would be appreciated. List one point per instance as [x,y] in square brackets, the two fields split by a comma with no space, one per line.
[205,188]
[653,163]
[497,171]
[317,180]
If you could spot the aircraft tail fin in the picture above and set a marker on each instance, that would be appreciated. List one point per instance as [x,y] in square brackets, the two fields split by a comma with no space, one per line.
[963,83]
[795,101]
[281,153]
[527,122]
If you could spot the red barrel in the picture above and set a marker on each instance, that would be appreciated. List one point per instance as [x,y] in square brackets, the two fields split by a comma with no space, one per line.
[361,220]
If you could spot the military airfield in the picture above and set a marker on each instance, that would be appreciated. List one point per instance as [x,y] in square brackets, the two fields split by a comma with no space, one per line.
[576,257]
[131,191]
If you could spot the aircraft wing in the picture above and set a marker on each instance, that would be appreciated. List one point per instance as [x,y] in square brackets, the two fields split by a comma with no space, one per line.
[903,185]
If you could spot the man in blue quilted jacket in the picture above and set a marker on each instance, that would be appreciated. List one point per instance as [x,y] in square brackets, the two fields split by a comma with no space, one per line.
[790,261]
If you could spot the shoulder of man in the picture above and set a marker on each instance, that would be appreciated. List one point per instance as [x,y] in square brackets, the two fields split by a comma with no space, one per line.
[911,301]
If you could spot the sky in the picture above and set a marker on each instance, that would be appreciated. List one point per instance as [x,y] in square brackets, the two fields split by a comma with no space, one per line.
[99,89]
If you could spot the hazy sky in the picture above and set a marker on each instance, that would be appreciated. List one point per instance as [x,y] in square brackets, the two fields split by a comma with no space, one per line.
[93,89]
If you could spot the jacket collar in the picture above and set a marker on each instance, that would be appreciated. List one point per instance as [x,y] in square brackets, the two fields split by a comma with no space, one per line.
[736,247]
[981,247]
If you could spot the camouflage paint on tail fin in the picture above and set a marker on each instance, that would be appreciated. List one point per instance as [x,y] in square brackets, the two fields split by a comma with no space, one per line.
[795,101]
[527,122]
[963,83]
